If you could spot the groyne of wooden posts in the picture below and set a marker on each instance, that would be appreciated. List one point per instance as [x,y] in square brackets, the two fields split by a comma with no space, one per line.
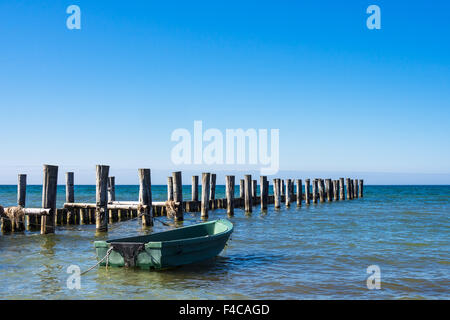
[107,210]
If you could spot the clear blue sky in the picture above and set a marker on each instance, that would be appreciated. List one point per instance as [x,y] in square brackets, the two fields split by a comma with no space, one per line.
[345,98]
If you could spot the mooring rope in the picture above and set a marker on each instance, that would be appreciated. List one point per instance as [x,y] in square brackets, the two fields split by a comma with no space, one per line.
[105,257]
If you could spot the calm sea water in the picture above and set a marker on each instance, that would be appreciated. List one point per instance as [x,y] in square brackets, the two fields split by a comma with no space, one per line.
[319,251]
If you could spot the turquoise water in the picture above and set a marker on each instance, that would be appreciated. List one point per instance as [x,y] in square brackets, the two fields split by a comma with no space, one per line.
[312,252]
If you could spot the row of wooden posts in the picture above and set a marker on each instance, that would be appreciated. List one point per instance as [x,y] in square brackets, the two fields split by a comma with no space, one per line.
[107,210]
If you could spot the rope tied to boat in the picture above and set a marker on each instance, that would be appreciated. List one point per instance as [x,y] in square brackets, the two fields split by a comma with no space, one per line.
[100,261]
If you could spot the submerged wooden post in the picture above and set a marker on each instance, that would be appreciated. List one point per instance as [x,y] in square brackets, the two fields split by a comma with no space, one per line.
[178,195]
[194,190]
[248,196]
[111,189]
[349,188]
[314,191]
[169,188]
[212,191]
[145,197]
[361,186]
[329,189]
[254,188]
[241,189]
[321,190]
[299,192]
[205,195]
[70,197]
[341,189]
[264,192]
[307,191]
[336,190]
[355,188]
[49,186]
[288,192]
[276,193]
[230,195]
[21,196]
[101,198]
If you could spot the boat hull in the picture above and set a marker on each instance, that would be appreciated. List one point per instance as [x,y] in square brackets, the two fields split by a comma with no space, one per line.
[189,245]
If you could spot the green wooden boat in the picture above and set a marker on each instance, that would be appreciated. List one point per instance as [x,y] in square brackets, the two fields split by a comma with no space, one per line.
[167,249]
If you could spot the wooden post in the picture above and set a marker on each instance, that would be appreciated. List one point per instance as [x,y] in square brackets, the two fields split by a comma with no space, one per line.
[288,192]
[341,189]
[336,190]
[314,191]
[205,194]
[101,198]
[178,194]
[194,190]
[307,191]
[322,190]
[263,192]
[230,195]
[254,188]
[329,189]
[169,188]
[241,189]
[299,193]
[70,197]
[111,189]
[349,189]
[49,186]
[276,193]
[212,191]
[282,189]
[145,197]
[361,186]
[21,196]
[248,193]
[355,188]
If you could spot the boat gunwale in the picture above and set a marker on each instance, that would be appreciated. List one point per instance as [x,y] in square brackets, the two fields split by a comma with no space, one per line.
[169,243]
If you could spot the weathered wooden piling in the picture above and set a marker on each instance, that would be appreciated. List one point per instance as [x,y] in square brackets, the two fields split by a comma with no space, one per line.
[276,193]
[194,190]
[169,188]
[49,185]
[314,190]
[349,188]
[361,186]
[145,197]
[205,195]
[212,191]
[70,197]
[299,192]
[341,189]
[254,189]
[178,195]
[264,192]
[355,188]
[336,190]
[241,189]
[111,189]
[21,198]
[288,192]
[328,189]
[101,198]
[282,188]
[307,191]
[321,190]
[230,195]
[248,204]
